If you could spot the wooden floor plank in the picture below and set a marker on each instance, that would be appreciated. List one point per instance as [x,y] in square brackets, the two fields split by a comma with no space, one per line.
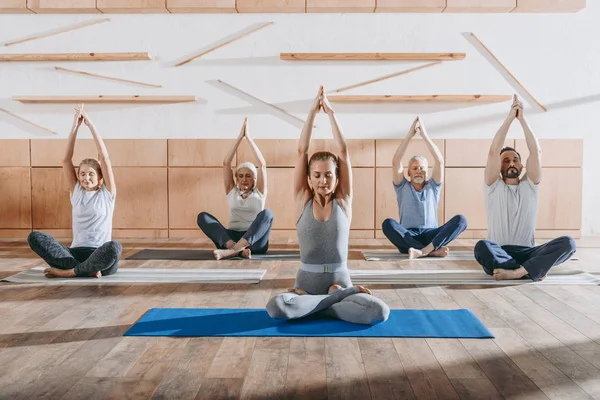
[306,376]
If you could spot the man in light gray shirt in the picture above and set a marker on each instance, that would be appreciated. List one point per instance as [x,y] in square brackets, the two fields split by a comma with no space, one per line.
[417,233]
[511,204]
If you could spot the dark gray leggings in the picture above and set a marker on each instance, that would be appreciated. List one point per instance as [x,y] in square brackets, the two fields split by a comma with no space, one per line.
[344,304]
[85,260]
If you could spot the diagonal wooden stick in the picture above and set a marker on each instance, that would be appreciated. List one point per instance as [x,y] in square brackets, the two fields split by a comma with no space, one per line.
[503,70]
[59,31]
[388,76]
[107,77]
[215,47]
[27,121]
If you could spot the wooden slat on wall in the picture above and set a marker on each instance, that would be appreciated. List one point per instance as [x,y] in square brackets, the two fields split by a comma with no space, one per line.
[137,152]
[141,198]
[201,6]
[194,190]
[340,6]
[15,153]
[560,198]
[408,6]
[559,6]
[62,6]
[14,7]
[51,205]
[271,6]
[555,152]
[280,198]
[15,197]
[386,148]
[480,6]
[362,151]
[50,152]
[198,152]
[470,152]
[363,204]
[464,195]
[132,6]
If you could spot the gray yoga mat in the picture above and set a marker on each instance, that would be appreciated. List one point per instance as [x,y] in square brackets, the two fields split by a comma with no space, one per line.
[395,255]
[148,275]
[195,254]
[463,277]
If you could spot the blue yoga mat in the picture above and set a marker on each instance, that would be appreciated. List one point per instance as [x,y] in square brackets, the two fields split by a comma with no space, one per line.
[256,322]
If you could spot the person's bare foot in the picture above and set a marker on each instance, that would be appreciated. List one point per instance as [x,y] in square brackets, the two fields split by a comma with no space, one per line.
[246,253]
[414,253]
[96,274]
[441,252]
[224,253]
[297,291]
[333,288]
[362,289]
[509,274]
[52,272]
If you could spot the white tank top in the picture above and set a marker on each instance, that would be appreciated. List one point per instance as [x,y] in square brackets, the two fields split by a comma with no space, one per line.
[92,213]
[242,212]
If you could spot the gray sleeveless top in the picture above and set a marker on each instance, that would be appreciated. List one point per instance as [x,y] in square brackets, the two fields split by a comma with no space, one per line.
[323,242]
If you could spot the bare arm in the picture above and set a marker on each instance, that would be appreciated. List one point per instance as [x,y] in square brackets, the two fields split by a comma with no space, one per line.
[397,167]
[103,157]
[228,180]
[67,164]
[494,163]
[301,188]
[534,161]
[438,166]
[261,184]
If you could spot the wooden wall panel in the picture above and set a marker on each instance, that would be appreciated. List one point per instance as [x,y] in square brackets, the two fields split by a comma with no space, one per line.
[280,197]
[480,6]
[132,6]
[363,207]
[198,152]
[15,153]
[386,205]
[555,152]
[62,6]
[15,197]
[469,152]
[14,7]
[560,199]
[407,6]
[386,148]
[50,201]
[547,6]
[193,190]
[141,198]
[137,152]
[340,6]
[50,152]
[465,195]
[362,151]
[201,6]
[271,6]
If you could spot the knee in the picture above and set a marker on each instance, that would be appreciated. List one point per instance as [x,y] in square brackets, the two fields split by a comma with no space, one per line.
[388,224]
[460,220]
[266,214]
[481,247]
[33,237]
[567,243]
[276,308]
[201,218]
[115,247]
[380,312]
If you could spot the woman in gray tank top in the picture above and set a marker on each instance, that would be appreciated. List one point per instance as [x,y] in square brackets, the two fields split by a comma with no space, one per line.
[324,211]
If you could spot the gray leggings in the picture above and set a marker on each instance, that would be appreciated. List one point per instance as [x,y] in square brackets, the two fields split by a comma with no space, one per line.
[344,304]
[85,260]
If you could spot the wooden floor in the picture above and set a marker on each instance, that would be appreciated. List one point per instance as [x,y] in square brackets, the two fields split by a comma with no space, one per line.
[65,342]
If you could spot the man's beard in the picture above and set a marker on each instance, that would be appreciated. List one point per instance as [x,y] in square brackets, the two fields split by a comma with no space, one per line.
[511,173]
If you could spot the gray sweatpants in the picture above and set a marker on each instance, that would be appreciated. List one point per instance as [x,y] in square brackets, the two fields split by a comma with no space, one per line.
[344,304]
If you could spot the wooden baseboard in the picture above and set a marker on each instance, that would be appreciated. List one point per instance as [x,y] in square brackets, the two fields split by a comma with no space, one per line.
[14,233]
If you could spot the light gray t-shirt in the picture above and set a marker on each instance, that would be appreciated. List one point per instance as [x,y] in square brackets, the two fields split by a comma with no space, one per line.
[242,212]
[92,213]
[511,212]
[418,209]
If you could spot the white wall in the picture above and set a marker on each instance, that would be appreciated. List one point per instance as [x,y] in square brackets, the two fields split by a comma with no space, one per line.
[555,56]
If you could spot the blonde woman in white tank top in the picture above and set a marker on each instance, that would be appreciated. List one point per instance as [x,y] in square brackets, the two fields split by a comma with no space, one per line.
[93,192]
[249,222]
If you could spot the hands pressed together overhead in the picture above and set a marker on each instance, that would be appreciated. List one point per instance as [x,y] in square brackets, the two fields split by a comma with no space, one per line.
[81,116]
[516,109]
[321,102]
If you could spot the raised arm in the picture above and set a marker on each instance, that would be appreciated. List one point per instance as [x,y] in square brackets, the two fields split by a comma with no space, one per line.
[105,164]
[345,180]
[67,164]
[494,163]
[534,161]
[397,167]
[228,180]
[261,183]
[438,166]
[301,188]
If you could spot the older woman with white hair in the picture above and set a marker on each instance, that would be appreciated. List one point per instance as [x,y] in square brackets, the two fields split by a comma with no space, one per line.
[249,222]
[417,233]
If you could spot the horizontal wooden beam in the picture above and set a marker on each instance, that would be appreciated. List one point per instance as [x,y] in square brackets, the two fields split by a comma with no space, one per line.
[440,98]
[372,56]
[76,57]
[104,99]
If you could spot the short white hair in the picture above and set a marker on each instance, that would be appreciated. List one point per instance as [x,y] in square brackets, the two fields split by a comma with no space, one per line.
[248,165]
[418,158]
